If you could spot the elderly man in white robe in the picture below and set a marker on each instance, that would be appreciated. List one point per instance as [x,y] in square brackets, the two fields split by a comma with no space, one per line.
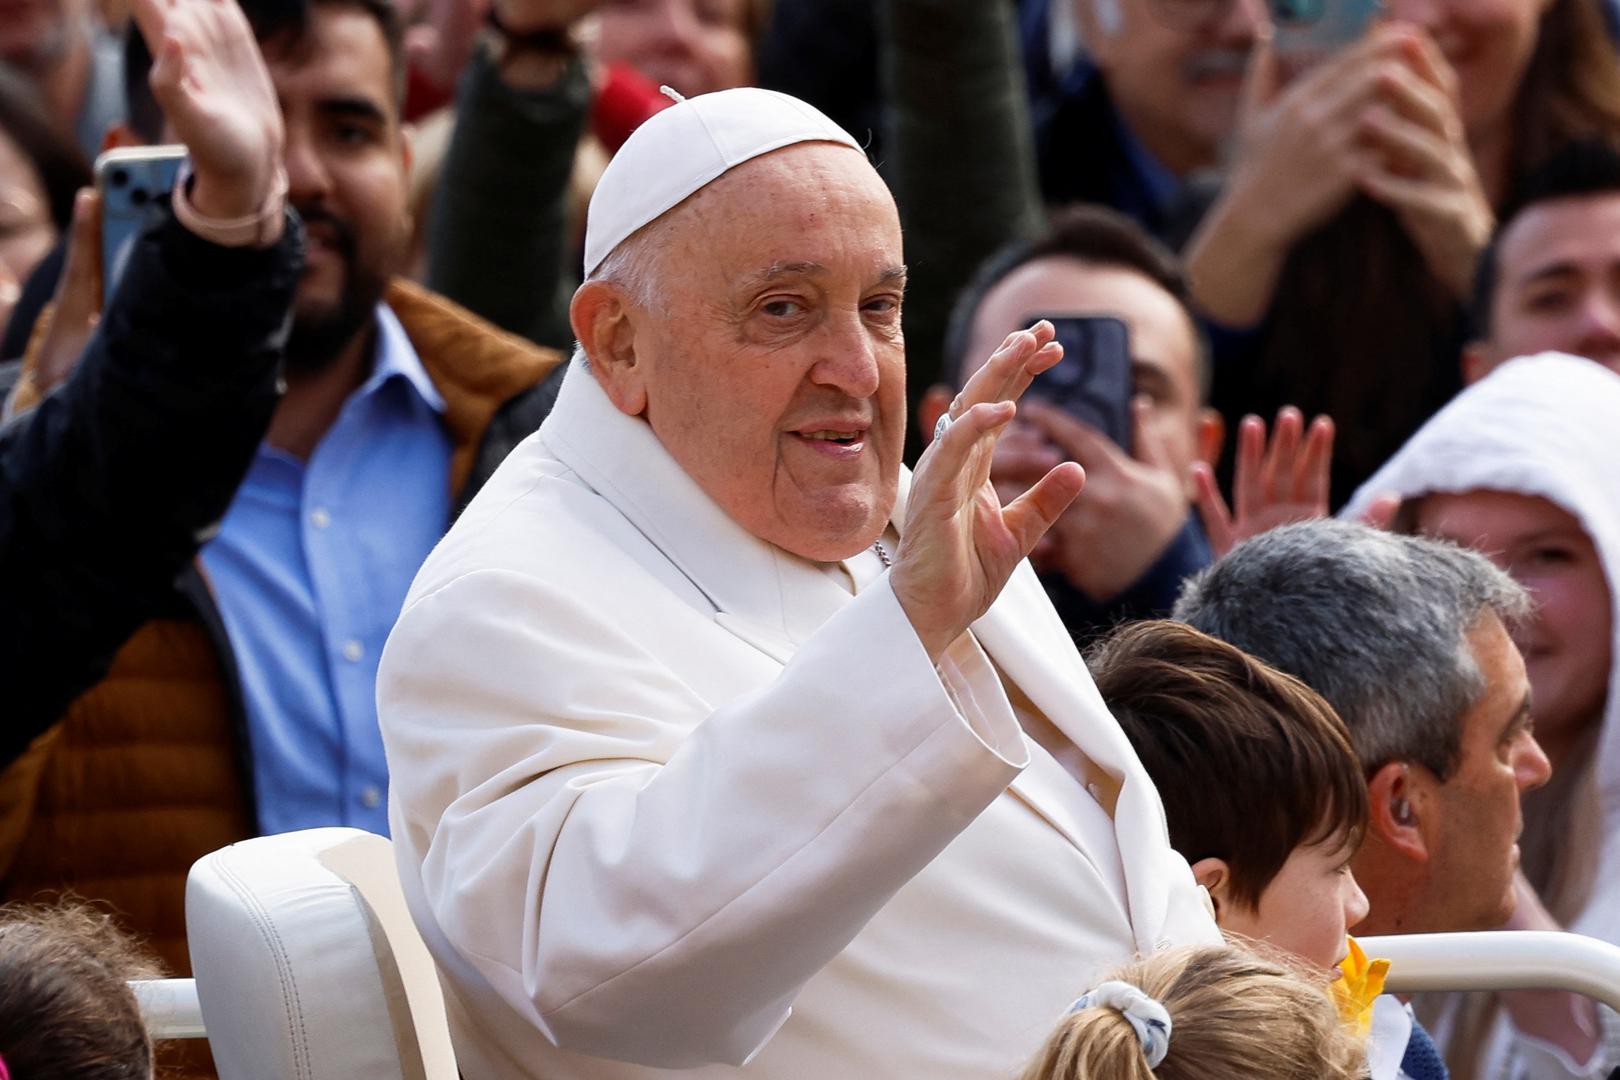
[718,746]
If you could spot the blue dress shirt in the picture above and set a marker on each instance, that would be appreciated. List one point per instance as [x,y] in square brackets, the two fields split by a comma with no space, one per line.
[310,568]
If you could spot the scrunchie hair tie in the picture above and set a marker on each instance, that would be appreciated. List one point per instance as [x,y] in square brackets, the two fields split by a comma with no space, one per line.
[1147,1017]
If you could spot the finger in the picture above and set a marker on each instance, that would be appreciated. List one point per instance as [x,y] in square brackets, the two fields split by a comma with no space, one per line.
[1312,472]
[1010,369]
[78,292]
[1033,512]
[1409,150]
[1261,79]
[1212,509]
[1247,491]
[1047,354]
[1278,469]
[1420,102]
[953,471]
[1380,513]
[150,17]
[1077,439]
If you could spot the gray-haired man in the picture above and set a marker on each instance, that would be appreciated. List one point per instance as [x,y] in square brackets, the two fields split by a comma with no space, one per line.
[1408,639]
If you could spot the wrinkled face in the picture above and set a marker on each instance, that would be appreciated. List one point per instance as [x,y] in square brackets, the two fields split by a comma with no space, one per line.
[1164,345]
[1567,642]
[1308,907]
[1174,69]
[1558,283]
[346,172]
[694,46]
[1472,828]
[774,367]
[1488,42]
[26,229]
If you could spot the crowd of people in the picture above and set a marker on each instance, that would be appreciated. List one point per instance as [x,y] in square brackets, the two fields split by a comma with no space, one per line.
[497,438]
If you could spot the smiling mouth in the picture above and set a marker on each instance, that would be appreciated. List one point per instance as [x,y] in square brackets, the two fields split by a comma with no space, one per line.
[842,438]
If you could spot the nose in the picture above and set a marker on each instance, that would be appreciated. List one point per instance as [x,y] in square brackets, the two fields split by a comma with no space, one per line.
[1531,768]
[1243,22]
[848,359]
[1355,902]
[1598,336]
[674,26]
[308,180]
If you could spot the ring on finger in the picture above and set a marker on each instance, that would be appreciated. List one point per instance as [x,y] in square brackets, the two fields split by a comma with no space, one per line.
[943,425]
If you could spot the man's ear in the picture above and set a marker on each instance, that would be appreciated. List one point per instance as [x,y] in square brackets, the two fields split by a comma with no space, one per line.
[1211,436]
[601,320]
[935,400]
[1396,804]
[1216,877]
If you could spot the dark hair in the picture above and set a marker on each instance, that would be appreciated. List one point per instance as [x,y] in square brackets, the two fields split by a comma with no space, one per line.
[61,168]
[66,1009]
[274,22]
[1582,167]
[1251,763]
[1094,235]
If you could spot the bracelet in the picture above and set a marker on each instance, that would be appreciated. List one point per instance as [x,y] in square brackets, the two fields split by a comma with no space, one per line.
[258,229]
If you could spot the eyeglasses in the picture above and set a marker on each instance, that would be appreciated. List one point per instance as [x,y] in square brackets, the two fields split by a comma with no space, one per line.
[1192,15]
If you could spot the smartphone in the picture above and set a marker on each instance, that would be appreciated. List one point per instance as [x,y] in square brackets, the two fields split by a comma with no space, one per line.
[1093,381]
[134,182]
[1307,31]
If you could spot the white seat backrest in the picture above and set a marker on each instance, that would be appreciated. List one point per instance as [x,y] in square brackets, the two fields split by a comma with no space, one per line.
[307,963]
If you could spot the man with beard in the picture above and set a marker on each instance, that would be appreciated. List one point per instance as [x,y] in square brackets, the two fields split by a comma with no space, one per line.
[248,706]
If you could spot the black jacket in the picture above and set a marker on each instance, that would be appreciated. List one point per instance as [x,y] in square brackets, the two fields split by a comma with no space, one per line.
[112,483]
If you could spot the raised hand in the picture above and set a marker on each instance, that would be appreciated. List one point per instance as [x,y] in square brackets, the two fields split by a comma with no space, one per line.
[1134,504]
[961,544]
[1271,485]
[214,89]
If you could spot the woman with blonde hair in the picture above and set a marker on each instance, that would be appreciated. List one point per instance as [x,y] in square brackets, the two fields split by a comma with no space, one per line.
[1200,1012]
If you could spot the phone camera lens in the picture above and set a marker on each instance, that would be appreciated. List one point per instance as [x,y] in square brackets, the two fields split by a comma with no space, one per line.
[138,197]
[119,177]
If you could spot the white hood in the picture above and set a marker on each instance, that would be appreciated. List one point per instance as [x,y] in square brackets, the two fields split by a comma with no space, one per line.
[1546,425]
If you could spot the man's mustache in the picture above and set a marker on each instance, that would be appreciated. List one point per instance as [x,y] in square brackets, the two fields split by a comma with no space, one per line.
[329,228]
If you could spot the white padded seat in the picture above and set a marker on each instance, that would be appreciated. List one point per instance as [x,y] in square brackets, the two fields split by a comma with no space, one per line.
[307,963]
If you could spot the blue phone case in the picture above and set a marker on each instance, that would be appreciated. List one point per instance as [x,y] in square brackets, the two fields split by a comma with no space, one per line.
[133,183]
[1309,30]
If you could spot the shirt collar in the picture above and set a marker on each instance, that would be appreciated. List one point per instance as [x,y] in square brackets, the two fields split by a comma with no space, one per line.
[396,357]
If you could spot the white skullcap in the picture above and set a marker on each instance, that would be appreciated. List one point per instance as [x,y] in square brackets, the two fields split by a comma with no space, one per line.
[686,146]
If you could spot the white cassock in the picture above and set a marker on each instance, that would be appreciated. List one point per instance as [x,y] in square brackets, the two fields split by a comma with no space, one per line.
[667,795]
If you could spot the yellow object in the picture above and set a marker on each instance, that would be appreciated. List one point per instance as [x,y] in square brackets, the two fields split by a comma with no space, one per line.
[1355,990]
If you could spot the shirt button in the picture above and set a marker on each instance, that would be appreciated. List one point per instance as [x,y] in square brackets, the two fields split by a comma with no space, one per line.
[319,518]
[370,798]
[353,650]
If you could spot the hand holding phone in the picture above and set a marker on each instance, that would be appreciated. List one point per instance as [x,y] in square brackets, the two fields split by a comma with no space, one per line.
[1093,381]
[134,183]
[1308,31]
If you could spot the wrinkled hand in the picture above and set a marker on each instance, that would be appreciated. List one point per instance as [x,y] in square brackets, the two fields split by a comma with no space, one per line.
[76,308]
[215,91]
[1271,485]
[1132,510]
[961,544]
[1422,168]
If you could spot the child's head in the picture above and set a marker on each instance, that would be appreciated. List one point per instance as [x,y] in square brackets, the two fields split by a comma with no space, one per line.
[1229,1012]
[66,1009]
[1261,788]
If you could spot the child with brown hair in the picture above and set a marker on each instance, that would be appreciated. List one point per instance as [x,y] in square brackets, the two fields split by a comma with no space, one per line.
[1199,1012]
[66,1009]
[1262,792]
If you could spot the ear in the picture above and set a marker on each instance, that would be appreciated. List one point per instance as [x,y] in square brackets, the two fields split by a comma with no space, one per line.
[601,320]
[935,400]
[1396,804]
[1211,436]
[1475,364]
[1216,877]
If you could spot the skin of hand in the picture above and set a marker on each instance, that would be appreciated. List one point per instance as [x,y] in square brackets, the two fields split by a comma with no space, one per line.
[961,544]
[76,307]
[1133,506]
[211,82]
[1566,1020]
[1381,118]
[1272,485]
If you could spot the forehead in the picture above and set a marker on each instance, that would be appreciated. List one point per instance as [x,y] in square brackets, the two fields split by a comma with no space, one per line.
[1580,230]
[1494,519]
[1161,333]
[341,53]
[819,203]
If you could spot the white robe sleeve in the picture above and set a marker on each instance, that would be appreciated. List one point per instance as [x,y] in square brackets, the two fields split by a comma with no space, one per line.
[645,876]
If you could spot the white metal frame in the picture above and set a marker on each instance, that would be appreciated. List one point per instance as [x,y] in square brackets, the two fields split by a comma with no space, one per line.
[1503,960]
